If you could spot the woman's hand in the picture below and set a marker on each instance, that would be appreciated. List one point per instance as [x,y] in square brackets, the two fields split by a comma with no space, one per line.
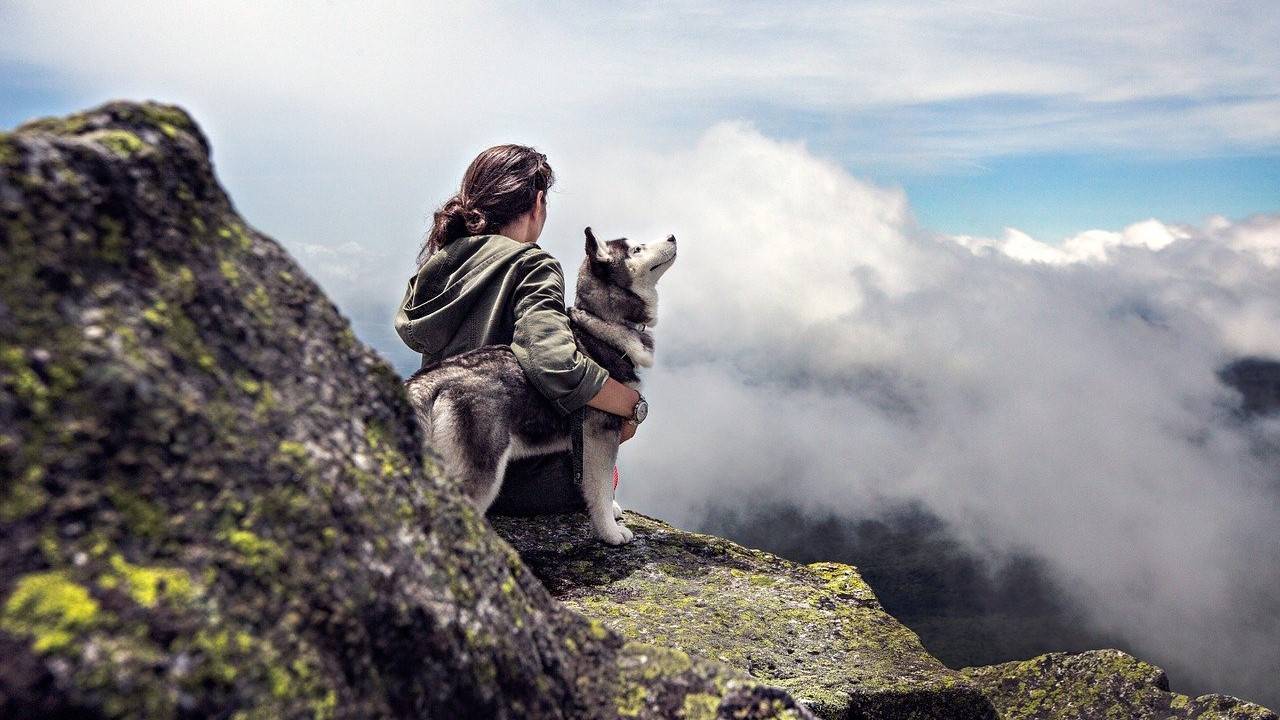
[628,431]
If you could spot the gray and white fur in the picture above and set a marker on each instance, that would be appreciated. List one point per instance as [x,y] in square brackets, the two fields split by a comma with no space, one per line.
[478,410]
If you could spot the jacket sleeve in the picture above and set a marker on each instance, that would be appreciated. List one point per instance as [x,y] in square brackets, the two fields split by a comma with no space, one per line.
[543,343]
[404,326]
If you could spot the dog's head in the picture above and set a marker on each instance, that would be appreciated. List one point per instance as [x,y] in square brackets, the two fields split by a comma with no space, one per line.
[631,265]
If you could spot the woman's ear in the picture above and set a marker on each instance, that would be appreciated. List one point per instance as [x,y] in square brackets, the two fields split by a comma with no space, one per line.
[540,207]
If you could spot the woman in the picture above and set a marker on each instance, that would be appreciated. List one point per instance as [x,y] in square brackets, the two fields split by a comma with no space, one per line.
[483,280]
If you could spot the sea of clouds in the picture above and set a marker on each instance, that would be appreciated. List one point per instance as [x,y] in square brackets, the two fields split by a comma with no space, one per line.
[816,346]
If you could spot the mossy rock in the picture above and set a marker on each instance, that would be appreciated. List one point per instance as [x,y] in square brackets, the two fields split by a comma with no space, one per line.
[1098,684]
[816,631]
[215,501]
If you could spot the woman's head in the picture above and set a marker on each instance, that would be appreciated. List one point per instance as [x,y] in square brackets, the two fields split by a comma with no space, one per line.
[501,184]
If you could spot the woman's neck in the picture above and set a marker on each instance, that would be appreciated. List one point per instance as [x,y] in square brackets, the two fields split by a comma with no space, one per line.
[521,229]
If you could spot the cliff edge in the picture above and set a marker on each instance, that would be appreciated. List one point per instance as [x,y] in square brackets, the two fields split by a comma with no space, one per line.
[816,630]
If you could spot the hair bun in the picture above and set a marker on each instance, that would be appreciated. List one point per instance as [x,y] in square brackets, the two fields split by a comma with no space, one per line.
[474,219]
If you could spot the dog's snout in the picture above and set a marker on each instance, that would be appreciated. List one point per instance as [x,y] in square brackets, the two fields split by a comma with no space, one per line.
[671,238]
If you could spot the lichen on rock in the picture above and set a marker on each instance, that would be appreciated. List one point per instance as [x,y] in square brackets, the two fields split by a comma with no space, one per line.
[816,631]
[1098,684]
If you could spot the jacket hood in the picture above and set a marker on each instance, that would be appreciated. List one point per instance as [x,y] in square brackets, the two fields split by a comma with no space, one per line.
[441,295]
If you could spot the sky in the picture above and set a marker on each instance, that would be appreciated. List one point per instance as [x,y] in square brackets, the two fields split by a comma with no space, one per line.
[989,256]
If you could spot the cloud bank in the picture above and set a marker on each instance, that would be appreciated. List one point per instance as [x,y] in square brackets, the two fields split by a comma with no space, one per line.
[815,345]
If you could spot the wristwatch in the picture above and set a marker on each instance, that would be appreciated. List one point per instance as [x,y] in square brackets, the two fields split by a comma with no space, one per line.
[639,411]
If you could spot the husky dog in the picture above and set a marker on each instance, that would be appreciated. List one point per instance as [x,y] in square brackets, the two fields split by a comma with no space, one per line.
[478,410]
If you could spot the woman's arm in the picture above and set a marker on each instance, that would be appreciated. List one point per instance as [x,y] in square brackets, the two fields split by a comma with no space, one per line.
[544,345]
[615,398]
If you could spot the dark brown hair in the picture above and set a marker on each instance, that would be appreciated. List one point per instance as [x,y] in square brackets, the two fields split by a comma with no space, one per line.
[501,184]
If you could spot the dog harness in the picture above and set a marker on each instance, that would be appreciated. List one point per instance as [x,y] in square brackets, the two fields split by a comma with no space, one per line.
[575,441]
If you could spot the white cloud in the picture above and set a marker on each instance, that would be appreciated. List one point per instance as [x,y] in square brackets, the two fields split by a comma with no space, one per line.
[1088,246]
[1034,74]
[814,343]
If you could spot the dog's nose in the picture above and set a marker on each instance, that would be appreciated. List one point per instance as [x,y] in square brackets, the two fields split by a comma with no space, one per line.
[671,238]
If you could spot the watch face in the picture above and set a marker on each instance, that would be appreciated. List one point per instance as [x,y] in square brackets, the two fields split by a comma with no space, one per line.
[641,410]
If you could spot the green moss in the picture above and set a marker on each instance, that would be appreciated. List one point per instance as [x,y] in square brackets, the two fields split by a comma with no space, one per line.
[70,125]
[230,272]
[149,585]
[17,374]
[50,608]
[25,495]
[597,630]
[391,462]
[141,517]
[265,403]
[222,651]
[347,339]
[699,706]
[181,336]
[233,657]
[1096,683]
[166,115]
[295,456]
[258,553]
[258,302]
[326,707]
[120,142]
[631,702]
[50,549]
[281,682]
[248,385]
[661,661]
[237,234]
[177,283]
[843,580]
[111,240]
[8,153]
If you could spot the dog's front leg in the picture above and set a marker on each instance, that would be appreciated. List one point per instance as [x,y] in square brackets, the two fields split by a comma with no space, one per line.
[599,453]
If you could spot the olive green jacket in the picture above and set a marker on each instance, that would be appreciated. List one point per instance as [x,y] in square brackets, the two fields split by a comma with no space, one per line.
[492,290]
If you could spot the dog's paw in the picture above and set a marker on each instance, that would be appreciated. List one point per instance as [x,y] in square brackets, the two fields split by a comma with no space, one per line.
[617,510]
[617,535]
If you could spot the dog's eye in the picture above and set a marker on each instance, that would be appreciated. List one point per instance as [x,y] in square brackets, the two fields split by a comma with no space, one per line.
[635,251]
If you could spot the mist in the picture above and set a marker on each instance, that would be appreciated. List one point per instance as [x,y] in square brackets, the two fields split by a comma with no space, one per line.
[969,607]
[817,348]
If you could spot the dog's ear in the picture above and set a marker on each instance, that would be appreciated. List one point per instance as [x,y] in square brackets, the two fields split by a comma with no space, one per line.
[595,249]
